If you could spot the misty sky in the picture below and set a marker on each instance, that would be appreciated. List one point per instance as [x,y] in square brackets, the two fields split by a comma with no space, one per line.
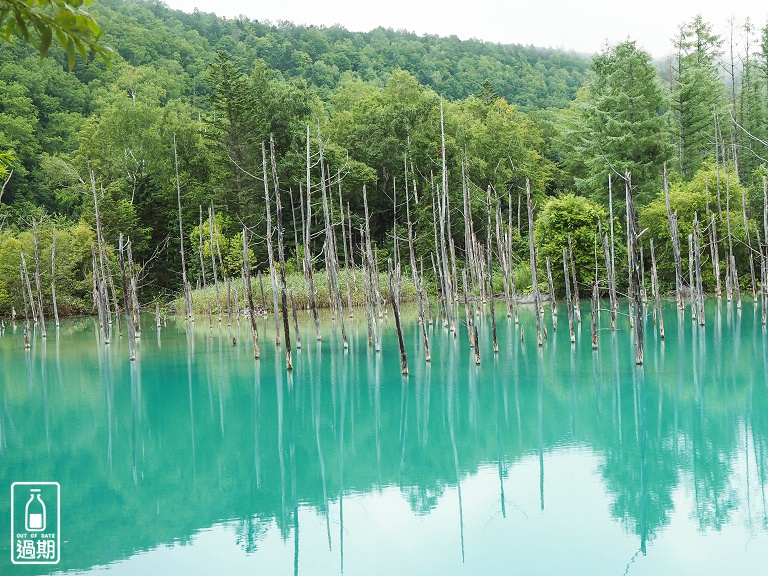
[583,25]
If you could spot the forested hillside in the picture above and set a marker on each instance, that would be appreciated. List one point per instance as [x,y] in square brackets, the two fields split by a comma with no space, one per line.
[175,51]
[189,105]
[530,77]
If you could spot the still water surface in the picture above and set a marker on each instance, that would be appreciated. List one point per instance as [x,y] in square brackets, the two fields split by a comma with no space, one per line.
[560,460]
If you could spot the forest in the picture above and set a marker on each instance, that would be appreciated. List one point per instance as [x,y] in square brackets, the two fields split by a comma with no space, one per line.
[195,116]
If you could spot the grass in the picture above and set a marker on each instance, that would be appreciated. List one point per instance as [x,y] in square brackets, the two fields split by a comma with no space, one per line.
[204,297]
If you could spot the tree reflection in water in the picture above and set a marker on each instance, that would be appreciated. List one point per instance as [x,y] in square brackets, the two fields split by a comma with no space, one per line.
[146,445]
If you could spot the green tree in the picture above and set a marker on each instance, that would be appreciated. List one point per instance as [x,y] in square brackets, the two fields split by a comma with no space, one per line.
[751,108]
[698,93]
[381,127]
[248,109]
[559,218]
[697,197]
[6,159]
[618,123]
[501,147]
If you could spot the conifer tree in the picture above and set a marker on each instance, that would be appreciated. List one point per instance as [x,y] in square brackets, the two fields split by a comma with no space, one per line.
[618,122]
[697,93]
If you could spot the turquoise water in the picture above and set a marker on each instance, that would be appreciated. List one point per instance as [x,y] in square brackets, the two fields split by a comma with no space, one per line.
[196,459]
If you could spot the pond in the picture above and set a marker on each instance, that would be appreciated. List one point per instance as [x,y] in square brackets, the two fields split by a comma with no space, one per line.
[196,459]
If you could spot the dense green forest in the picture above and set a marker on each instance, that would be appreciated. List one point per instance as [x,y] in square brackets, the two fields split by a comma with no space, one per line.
[192,98]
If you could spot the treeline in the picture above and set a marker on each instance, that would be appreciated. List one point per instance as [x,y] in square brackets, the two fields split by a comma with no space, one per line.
[533,78]
[222,88]
[43,106]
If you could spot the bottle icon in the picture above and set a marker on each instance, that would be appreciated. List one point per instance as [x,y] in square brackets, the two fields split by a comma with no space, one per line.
[34,513]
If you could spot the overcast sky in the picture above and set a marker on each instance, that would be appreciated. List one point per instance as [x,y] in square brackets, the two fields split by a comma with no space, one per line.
[583,25]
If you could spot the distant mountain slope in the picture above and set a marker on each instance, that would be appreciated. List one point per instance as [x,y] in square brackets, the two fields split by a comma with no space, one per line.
[146,32]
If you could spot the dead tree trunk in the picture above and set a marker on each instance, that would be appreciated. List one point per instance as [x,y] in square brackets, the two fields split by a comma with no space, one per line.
[467,315]
[552,300]
[396,312]
[631,286]
[595,303]
[270,254]
[749,244]
[295,322]
[127,304]
[100,244]
[611,293]
[503,262]
[26,284]
[261,289]
[672,217]
[366,290]
[136,310]
[346,252]
[512,289]
[576,303]
[351,246]
[99,293]
[765,210]
[38,286]
[656,292]
[691,279]
[295,230]
[95,289]
[612,269]
[492,299]
[237,302]
[211,219]
[439,289]
[330,248]
[373,273]
[200,247]
[454,271]
[697,262]
[308,261]
[447,292]
[249,295]
[415,275]
[715,255]
[730,275]
[26,307]
[53,277]
[187,289]
[281,259]
[764,248]
[425,292]
[489,249]
[568,301]
[437,269]
[468,244]
[635,272]
[764,283]
[534,277]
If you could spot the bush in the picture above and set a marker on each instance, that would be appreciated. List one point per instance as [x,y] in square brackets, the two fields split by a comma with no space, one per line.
[560,217]
[73,267]
[699,196]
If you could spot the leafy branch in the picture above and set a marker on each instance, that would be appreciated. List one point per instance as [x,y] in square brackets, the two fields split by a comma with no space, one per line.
[41,21]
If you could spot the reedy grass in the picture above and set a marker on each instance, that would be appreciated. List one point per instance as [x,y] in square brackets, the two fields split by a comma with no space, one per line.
[204,297]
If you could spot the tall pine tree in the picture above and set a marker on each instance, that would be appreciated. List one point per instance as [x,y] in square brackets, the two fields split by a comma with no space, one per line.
[618,123]
[697,93]
[751,106]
